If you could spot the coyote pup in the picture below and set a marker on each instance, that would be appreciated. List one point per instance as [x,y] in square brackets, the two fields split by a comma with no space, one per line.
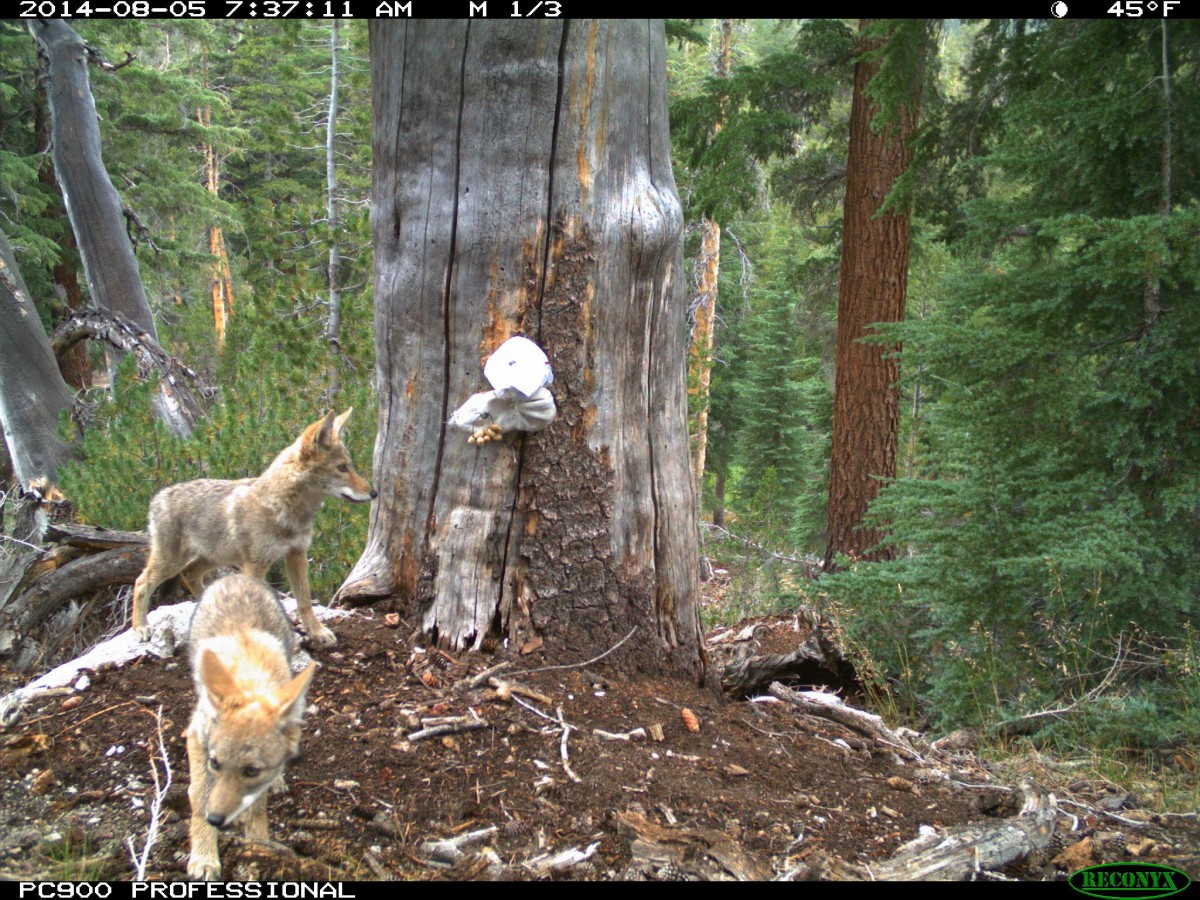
[246,727]
[199,525]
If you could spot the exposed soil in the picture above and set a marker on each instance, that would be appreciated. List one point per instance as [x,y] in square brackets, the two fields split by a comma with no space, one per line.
[76,779]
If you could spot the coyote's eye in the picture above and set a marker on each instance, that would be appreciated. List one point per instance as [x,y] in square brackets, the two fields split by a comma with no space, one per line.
[213,764]
[251,772]
[343,468]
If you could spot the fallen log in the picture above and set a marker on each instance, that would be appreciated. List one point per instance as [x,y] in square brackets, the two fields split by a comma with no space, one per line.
[959,853]
[76,562]
[93,537]
[815,658]
[77,578]
[168,631]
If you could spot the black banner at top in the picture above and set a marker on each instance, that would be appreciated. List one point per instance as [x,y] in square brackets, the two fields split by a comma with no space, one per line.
[1124,10]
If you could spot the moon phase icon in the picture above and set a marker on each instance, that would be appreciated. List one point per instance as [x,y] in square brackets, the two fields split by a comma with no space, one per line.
[1059,9]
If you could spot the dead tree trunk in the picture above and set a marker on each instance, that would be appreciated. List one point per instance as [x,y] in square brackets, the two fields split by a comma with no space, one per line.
[75,366]
[109,264]
[220,279]
[708,267]
[523,185]
[32,391]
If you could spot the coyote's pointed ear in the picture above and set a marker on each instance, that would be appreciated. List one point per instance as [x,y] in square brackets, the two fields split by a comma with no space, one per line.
[291,697]
[318,435]
[216,678]
[339,422]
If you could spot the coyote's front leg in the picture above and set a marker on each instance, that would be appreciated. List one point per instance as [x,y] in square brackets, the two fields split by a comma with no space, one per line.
[296,562]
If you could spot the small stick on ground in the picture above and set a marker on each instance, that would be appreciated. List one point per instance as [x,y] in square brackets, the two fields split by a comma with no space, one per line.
[566,760]
[638,734]
[162,784]
[594,659]
[507,688]
[464,724]
[468,684]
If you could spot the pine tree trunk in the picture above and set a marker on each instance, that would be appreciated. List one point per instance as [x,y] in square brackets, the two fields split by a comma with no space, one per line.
[874,278]
[523,184]
[708,267]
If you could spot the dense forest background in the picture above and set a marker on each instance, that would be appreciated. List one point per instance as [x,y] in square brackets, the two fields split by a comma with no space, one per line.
[1043,527]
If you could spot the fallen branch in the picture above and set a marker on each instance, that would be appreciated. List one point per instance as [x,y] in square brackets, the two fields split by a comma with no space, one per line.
[830,706]
[562,861]
[1124,820]
[810,566]
[161,786]
[1024,724]
[474,723]
[449,851]
[566,730]
[93,537]
[594,659]
[77,578]
[566,760]
[168,628]
[469,684]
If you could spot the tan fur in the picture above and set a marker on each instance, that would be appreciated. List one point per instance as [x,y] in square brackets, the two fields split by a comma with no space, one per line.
[199,525]
[249,706]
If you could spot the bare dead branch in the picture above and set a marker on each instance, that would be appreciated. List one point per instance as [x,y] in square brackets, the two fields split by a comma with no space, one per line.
[594,659]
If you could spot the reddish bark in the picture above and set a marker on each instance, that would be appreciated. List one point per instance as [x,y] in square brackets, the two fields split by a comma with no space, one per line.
[874,279]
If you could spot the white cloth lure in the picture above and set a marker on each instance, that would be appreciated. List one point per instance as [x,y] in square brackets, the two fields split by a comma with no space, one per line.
[519,373]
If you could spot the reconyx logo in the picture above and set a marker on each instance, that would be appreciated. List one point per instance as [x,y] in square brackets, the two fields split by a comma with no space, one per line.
[1141,881]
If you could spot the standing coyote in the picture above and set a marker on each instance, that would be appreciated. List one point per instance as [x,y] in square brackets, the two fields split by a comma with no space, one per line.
[199,525]
[249,706]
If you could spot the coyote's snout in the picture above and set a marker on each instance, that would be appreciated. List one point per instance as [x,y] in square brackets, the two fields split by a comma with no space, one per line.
[249,706]
[199,525]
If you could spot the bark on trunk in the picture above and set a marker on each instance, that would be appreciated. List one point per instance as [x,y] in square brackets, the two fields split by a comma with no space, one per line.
[93,206]
[874,279]
[523,185]
[32,391]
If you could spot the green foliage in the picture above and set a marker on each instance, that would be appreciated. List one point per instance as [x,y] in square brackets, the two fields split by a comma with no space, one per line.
[1054,518]
[770,404]
[763,108]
